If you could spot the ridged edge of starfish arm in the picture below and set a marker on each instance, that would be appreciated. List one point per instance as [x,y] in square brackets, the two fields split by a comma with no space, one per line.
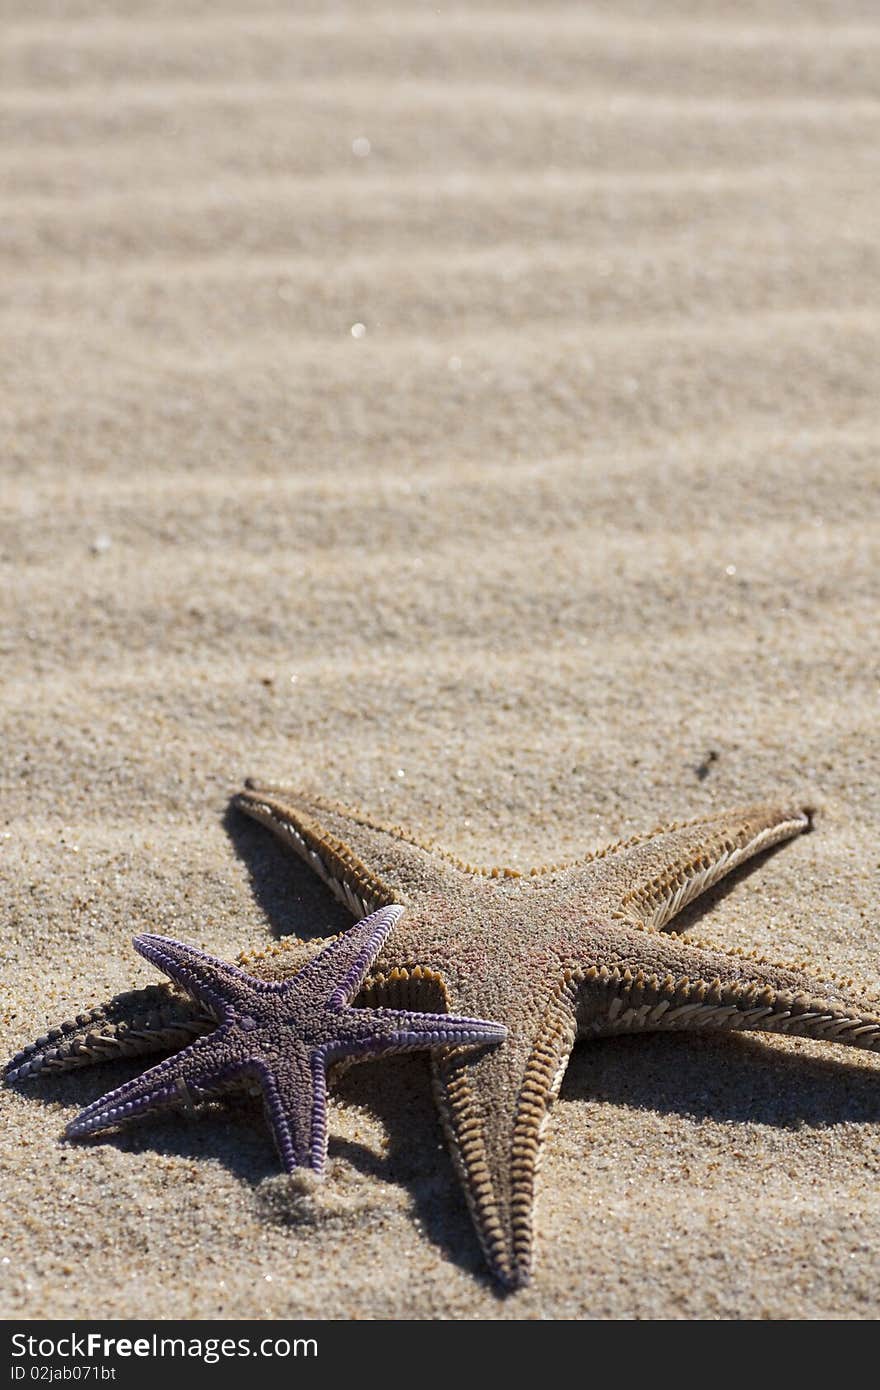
[132,1024]
[497,1156]
[320,1118]
[698,987]
[367,862]
[401,1031]
[353,952]
[297,1111]
[193,970]
[328,855]
[650,879]
[187,1076]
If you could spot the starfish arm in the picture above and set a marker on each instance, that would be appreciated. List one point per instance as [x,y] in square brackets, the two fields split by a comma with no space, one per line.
[338,971]
[365,863]
[494,1108]
[658,983]
[295,1101]
[375,1032]
[649,880]
[204,1068]
[135,1023]
[220,986]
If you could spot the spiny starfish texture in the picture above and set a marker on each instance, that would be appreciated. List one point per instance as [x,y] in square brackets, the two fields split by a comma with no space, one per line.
[571,951]
[281,1034]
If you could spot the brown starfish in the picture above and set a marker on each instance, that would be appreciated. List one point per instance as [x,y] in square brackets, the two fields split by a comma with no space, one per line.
[568,951]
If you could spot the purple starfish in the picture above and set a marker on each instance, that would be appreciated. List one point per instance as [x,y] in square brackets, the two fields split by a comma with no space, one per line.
[281,1035]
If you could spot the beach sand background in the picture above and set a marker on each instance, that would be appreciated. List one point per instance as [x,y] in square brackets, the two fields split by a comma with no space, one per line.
[579,535]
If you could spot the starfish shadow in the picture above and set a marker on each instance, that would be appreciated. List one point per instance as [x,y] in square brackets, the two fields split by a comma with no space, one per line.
[397,1092]
[230,1130]
[703,905]
[292,896]
[232,1133]
[729,1078]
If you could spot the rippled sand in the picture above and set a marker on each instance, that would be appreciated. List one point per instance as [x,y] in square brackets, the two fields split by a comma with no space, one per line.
[579,534]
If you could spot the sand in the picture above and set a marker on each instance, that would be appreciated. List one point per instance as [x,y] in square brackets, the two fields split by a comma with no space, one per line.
[593,497]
